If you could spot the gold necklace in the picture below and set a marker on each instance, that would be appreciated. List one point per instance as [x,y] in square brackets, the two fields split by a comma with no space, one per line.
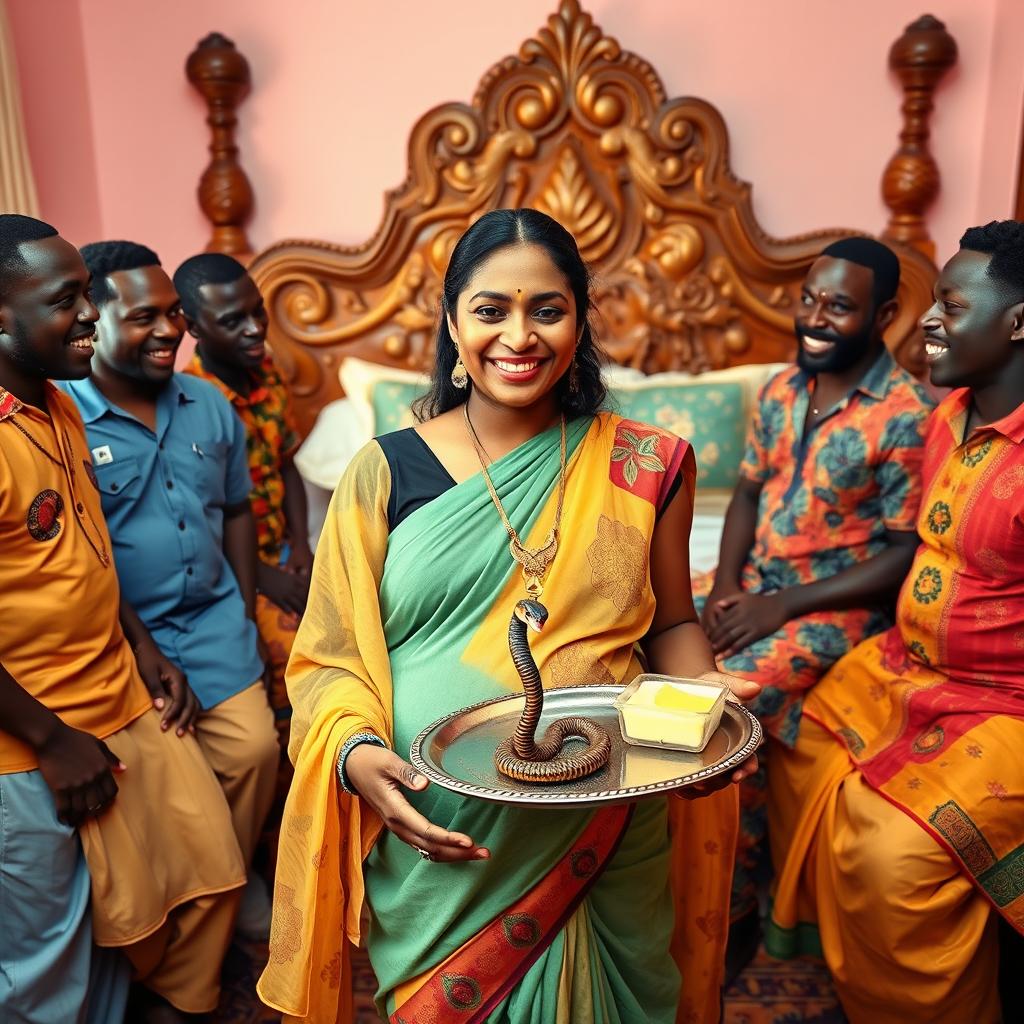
[534,562]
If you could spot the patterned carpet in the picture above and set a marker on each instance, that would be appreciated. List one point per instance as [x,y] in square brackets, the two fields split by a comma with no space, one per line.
[765,993]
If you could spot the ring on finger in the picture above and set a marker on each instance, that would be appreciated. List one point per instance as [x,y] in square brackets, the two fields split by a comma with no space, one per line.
[425,854]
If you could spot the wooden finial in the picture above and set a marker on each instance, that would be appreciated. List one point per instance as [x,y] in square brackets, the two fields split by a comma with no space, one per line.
[221,74]
[920,57]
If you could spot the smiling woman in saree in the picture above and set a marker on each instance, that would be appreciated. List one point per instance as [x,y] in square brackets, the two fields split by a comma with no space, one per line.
[482,912]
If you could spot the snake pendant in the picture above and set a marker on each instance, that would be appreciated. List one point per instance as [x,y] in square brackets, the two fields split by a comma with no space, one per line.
[520,756]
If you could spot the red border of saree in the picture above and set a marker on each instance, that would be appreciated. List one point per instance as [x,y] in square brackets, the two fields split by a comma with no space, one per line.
[468,986]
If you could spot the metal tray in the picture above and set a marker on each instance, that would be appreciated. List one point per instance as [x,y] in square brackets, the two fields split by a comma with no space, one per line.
[457,752]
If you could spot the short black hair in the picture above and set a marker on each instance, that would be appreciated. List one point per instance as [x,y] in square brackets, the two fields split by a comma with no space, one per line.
[1004,241]
[106,258]
[15,230]
[883,263]
[206,268]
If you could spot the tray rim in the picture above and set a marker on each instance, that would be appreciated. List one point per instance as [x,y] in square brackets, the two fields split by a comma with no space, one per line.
[555,799]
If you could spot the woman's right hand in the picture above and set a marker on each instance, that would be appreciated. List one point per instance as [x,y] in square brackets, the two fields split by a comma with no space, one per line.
[379,776]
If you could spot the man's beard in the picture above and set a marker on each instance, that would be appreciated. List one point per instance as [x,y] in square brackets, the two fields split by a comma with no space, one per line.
[847,349]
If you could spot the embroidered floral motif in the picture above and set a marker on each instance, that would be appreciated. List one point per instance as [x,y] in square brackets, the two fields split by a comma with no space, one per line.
[1008,483]
[929,742]
[928,585]
[521,930]
[640,458]
[852,739]
[940,517]
[286,927]
[618,563]
[44,515]
[997,789]
[914,783]
[584,863]
[973,750]
[576,664]
[331,973]
[917,649]
[461,992]
[636,452]
[972,456]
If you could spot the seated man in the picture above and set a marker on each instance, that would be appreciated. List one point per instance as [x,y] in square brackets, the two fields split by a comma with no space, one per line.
[819,533]
[171,468]
[225,314]
[113,831]
[908,812]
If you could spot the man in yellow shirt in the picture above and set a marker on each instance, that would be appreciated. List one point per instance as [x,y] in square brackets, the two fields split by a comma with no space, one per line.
[115,834]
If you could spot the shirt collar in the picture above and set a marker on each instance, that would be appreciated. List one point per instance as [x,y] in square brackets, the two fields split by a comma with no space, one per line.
[1011,426]
[92,403]
[259,380]
[875,383]
[9,404]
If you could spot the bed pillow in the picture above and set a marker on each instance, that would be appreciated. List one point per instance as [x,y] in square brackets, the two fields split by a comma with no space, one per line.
[711,410]
[381,395]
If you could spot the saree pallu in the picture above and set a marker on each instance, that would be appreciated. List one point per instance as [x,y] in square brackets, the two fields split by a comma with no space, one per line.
[572,918]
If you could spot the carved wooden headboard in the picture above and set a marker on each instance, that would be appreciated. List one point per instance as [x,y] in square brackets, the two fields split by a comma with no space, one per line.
[580,128]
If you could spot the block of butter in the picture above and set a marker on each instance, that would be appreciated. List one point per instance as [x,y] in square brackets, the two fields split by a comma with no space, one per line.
[663,711]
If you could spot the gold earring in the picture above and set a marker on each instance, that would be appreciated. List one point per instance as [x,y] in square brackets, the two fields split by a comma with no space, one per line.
[459,376]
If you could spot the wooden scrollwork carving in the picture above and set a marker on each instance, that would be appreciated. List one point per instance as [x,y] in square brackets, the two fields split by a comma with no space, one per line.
[685,278]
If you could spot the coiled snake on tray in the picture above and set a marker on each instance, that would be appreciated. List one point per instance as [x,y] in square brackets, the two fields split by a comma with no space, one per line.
[520,756]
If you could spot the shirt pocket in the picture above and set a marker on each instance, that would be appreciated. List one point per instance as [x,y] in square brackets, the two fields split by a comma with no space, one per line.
[118,480]
[211,471]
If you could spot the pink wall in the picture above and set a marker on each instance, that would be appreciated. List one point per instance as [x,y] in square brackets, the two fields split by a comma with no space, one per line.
[58,118]
[802,84]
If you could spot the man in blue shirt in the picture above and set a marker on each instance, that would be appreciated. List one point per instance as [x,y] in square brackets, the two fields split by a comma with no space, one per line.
[170,463]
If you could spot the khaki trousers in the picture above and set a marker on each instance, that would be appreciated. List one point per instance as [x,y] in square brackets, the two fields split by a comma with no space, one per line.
[239,741]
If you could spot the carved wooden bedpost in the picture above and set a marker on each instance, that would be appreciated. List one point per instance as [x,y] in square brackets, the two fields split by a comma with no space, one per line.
[921,56]
[221,74]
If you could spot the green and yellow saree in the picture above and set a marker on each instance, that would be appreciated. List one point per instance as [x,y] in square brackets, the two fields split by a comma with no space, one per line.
[579,915]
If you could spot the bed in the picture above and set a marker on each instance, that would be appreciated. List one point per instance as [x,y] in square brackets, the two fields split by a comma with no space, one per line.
[693,295]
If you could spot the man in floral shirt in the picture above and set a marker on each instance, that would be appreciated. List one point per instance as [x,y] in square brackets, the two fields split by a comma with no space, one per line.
[820,531]
[226,316]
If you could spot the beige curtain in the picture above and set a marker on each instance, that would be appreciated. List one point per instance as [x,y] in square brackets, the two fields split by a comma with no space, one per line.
[17,186]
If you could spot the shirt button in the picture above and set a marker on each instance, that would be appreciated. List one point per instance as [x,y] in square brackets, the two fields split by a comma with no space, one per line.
[170,485]
[114,487]
[181,524]
[80,507]
[188,571]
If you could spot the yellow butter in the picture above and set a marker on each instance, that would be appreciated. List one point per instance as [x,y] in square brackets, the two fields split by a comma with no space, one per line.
[673,699]
[654,726]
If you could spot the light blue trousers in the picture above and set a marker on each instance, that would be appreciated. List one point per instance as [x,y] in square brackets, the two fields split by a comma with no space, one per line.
[50,971]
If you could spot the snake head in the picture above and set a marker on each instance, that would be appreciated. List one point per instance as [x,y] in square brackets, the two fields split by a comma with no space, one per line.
[533,613]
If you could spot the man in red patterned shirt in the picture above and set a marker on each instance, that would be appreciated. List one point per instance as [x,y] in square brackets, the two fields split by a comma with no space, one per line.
[907,842]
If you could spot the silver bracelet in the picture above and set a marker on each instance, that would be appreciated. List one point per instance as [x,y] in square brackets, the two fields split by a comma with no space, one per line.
[346,748]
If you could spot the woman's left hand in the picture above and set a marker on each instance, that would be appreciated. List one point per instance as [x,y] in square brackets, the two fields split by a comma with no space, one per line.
[742,690]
